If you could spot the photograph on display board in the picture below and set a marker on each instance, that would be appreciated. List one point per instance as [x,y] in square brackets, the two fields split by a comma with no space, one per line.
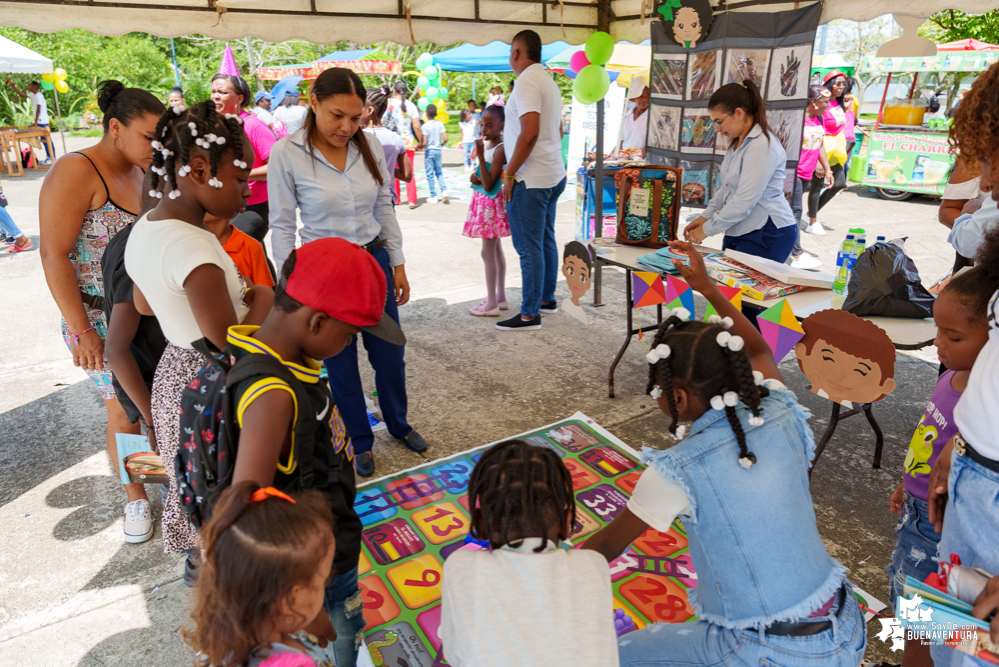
[669,73]
[704,74]
[698,133]
[747,64]
[653,158]
[696,176]
[787,125]
[789,73]
[664,127]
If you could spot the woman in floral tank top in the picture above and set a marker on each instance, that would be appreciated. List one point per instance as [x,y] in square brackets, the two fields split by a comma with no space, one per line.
[86,199]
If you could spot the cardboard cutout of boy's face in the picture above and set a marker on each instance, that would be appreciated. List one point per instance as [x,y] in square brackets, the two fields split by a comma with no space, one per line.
[846,359]
[577,276]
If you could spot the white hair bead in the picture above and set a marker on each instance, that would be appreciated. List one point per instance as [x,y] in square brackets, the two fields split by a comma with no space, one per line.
[656,392]
[220,141]
[727,322]
[717,402]
[681,432]
[755,421]
[736,343]
[152,193]
[682,313]
[714,319]
[757,378]
[731,399]
[156,145]
[723,338]
[746,462]
[179,109]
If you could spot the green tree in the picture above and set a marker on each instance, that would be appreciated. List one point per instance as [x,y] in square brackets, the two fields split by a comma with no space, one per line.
[951,25]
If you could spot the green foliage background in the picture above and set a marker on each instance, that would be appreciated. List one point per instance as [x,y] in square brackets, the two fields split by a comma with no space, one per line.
[144,61]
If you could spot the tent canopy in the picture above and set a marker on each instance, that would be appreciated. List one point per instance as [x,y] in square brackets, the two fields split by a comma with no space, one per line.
[402,21]
[493,57]
[969,44]
[18,59]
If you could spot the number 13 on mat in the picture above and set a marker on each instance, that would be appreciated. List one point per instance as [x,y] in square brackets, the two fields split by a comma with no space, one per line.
[441,522]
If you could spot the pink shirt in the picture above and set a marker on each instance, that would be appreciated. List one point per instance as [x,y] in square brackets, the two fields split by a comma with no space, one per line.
[262,139]
[811,144]
[851,131]
[834,119]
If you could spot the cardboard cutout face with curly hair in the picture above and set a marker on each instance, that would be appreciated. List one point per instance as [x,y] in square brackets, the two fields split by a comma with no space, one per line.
[847,359]
[687,21]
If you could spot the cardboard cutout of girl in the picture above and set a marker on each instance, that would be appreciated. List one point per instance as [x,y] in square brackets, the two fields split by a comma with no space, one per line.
[577,263]
[687,20]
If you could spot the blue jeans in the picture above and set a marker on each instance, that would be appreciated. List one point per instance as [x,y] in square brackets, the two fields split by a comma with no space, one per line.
[45,143]
[389,364]
[435,170]
[768,241]
[971,523]
[703,643]
[7,225]
[532,228]
[345,607]
[916,545]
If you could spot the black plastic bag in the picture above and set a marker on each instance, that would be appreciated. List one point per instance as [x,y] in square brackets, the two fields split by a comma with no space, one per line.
[885,282]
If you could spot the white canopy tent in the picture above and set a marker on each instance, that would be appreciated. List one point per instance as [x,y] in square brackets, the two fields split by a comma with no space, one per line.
[404,21]
[18,59]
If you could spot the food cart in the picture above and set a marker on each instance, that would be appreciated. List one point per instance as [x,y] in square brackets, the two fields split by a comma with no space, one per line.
[902,155]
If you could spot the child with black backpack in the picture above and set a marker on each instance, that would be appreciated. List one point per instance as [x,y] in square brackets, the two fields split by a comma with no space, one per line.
[274,415]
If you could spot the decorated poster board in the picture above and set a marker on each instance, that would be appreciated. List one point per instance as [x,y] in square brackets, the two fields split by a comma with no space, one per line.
[583,129]
[908,161]
[689,64]
[414,520]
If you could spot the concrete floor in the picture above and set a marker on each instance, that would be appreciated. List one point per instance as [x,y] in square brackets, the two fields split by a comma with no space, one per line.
[73,593]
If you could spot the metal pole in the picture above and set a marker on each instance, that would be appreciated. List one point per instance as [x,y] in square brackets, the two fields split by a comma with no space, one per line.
[176,68]
[62,130]
[598,199]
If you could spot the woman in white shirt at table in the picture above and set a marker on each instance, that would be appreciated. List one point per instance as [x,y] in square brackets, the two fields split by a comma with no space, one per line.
[749,207]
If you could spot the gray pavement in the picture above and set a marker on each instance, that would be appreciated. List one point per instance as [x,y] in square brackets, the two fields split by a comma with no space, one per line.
[73,593]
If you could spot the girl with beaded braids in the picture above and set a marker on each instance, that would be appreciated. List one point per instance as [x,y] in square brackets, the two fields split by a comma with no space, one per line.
[740,477]
[201,165]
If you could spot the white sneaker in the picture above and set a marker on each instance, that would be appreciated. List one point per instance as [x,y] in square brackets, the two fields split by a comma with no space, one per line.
[816,229]
[432,200]
[138,522]
[805,262]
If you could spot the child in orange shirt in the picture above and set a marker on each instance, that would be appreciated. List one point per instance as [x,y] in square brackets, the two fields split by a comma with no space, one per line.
[246,252]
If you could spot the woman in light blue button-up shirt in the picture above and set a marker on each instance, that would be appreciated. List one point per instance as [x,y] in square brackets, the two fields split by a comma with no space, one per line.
[749,207]
[333,175]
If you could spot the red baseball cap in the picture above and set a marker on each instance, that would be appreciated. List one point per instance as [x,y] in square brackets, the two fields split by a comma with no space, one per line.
[343,280]
[832,75]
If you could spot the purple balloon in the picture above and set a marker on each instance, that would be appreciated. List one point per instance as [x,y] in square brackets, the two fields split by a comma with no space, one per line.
[578,61]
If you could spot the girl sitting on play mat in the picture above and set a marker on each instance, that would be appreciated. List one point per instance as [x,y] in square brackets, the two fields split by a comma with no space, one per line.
[767,589]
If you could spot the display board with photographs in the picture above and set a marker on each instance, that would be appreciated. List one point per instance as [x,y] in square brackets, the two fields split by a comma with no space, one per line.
[789,73]
[773,50]
[669,75]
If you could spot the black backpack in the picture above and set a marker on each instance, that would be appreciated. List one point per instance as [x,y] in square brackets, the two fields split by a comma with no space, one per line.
[209,434]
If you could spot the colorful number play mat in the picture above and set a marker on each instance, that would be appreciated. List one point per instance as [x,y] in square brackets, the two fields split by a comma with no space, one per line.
[414,520]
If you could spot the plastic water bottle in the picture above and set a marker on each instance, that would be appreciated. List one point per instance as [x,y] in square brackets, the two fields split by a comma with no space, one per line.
[842,272]
[881,239]
[858,250]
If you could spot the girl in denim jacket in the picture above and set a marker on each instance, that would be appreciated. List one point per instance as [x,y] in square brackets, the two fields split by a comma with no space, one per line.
[767,593]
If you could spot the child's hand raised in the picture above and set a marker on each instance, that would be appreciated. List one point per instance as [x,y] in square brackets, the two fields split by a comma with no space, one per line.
[695,274]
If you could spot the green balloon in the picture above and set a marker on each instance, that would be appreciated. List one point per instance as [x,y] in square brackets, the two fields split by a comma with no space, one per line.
[443,92]
[599,48]
[425,60]
[423,103]
[48,85]
[432,93]
[435,82]
[423,83]
[591,84]
[430,72]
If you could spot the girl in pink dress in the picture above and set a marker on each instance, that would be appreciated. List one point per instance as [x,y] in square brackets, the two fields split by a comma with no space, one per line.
[487,218]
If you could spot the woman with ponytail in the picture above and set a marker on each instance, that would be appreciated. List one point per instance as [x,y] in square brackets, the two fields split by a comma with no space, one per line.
[749,207]
[739,475]
[334,175]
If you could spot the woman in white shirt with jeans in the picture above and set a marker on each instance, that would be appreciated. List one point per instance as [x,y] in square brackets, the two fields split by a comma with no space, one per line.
[749,207]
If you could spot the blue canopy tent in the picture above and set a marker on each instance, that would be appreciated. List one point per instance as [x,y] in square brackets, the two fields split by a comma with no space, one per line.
[493,57]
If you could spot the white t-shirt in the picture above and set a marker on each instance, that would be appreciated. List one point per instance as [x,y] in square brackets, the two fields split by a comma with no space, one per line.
[536,92]
[38,100]
[467,132]
[633,135]
[516,607]
[264,115]
[159,257]
[977,412]
[292,117]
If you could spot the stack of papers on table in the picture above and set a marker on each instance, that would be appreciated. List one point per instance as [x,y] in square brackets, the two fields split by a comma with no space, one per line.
[756,284]
[658,262]
[783,272]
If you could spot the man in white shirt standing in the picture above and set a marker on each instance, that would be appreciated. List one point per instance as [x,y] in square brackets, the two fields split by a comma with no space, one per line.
[636,119]
[40,108]
[262,108]
[533,179]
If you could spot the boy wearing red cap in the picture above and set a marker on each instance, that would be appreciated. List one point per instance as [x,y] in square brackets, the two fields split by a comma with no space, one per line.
[329,291]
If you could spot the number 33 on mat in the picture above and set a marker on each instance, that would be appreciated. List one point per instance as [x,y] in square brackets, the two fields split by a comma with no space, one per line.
[418,582]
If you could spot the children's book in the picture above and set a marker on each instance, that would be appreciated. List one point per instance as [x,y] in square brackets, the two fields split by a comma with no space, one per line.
[943,619]
[756,285]
[782,272]
[137,462]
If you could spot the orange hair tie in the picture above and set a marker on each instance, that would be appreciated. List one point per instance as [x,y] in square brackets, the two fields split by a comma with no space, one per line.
[261,494]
